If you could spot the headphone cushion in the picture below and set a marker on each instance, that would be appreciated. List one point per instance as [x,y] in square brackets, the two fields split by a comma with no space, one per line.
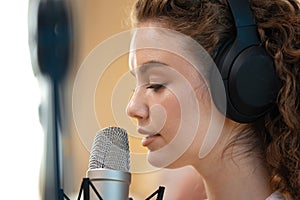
[252,83]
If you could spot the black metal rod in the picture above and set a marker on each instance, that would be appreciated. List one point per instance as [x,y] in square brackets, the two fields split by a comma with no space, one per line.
[56,134]
[81,189]
[95,190]
[86,189]
[160,194]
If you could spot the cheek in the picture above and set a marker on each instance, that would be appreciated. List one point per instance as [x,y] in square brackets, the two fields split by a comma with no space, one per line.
[173,114]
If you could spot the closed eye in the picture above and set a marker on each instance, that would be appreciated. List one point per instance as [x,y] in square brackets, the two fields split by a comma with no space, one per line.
[155,87]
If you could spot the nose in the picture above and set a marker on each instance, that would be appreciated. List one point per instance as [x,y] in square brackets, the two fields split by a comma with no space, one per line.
[137,106]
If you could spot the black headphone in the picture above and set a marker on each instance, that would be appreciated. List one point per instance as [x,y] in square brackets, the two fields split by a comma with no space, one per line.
[247,70]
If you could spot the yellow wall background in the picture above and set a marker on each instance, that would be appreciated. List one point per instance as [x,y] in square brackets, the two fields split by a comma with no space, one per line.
[95,21]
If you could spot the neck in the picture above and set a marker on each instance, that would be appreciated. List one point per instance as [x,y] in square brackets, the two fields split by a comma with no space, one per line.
[235,181]
[234,175]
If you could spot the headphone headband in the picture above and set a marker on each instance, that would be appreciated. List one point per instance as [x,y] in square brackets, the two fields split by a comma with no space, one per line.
[241,13]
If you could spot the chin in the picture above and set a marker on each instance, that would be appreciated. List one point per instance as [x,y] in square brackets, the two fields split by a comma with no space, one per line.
[164,161]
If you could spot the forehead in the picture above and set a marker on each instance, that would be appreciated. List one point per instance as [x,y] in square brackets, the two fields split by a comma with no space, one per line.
[149,36]
[159,39]
[156,44]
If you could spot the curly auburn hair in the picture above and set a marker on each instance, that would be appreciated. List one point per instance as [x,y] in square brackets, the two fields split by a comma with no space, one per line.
[210,23]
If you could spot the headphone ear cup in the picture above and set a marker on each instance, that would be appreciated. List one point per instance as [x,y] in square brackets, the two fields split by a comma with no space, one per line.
[247,70]
[252,85]
[250,82]
[222,53]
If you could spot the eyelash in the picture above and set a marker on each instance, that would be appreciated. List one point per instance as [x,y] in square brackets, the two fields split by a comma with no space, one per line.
[155,87]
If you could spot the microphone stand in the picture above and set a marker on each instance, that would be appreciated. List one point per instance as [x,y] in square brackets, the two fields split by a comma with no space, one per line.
[51,42]
[160,193]
[50,113]
[85,189]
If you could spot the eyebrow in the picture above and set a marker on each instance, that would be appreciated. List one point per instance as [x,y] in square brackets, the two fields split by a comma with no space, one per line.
[148,65]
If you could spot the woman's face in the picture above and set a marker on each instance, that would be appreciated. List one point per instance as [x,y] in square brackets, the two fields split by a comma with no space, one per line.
[171,102]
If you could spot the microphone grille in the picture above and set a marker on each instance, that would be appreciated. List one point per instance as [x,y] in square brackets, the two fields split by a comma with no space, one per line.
[110,150]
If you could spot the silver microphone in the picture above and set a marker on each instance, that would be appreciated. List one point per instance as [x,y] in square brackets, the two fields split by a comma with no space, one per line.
[109,164]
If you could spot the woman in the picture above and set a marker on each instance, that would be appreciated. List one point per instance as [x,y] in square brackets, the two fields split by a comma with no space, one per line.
[259,159]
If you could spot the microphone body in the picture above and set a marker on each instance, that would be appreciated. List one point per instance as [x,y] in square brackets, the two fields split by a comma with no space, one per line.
[109,164]
[109,167]
[110,184]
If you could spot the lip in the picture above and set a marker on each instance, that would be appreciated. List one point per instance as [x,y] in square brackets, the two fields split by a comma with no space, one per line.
[144,131]
[146,141]
[150,136]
